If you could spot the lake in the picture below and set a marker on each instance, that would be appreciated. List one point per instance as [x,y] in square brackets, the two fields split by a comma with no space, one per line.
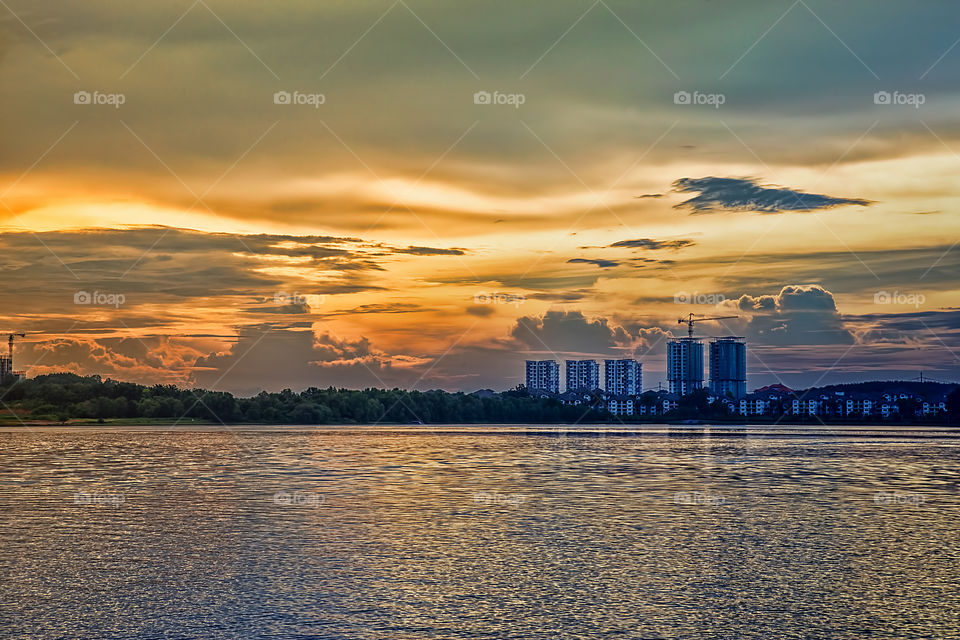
[480,532]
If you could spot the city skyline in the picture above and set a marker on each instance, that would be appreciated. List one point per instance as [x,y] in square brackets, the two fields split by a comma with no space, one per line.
[425,196]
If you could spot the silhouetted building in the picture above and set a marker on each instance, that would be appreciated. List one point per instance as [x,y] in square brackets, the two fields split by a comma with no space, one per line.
[728,367]
[622,377]
[582,375]
[685,365]
[6,368]
[543,376]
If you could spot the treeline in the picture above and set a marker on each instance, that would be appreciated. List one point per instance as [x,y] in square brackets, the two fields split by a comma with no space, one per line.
[66,396]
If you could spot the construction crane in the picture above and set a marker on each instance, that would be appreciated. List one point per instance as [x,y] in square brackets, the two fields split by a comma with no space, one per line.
[10,344]
[691,318]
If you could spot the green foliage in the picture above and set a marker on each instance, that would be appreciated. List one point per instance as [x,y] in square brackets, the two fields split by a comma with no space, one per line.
[953,404]
[65,396]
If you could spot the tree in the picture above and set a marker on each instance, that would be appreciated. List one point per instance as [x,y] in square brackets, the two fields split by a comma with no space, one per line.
[953,404]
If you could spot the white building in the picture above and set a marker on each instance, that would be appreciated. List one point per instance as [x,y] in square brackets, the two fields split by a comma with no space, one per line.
[622,377]
[582,375]
[621,406]
[543,376]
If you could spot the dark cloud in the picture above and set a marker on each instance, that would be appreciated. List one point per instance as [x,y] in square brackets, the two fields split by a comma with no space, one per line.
[649,195]
[653,245]
[158,267]
[294,308]
[387,307]
[603,264]
[561,296]
[569,332]
[481,311]
[307,361]
[430,251]
[746,194]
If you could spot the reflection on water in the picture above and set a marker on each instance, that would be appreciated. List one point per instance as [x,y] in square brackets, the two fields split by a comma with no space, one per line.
[427,534]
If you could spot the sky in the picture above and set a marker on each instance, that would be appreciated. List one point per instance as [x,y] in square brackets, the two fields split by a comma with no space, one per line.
[242,196]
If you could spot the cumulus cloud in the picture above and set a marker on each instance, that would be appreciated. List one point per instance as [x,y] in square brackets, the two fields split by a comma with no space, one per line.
[149,359]
[571,332]
[276,357]
[746,194]
[797,315]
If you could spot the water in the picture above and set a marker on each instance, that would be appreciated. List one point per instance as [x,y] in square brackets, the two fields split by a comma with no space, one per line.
[471,533]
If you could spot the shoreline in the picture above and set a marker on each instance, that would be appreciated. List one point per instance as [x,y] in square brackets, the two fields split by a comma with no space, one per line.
[555,431]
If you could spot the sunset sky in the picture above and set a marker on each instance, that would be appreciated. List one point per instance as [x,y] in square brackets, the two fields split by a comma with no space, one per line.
[392,229]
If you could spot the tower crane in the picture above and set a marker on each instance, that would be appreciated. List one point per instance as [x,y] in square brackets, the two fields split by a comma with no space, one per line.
[690,319]
[10,344]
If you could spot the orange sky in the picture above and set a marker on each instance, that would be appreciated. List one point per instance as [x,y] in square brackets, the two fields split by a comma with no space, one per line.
[403,232]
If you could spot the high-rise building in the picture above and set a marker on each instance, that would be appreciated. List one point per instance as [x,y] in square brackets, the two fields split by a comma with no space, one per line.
[6,368]
[543,376]
[728,367]
[685,365]
[582,375]
[622,377]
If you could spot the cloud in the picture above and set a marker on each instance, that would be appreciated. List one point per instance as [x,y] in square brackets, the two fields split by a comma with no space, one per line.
[653,245]
[387,307]
[430,251]
[746,194]
[570,332]
[275,357]
[561,296]
[797,315]
[481,311]
[603,264]
[148,359]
